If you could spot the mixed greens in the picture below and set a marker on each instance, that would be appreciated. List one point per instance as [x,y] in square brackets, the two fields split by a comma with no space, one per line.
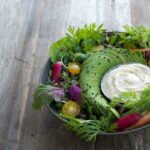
[79,61]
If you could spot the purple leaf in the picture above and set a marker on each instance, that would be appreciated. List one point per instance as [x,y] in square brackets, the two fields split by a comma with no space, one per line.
[74,93]
[56,93]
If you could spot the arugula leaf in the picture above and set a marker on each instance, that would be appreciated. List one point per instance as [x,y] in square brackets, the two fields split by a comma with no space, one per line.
[45,94]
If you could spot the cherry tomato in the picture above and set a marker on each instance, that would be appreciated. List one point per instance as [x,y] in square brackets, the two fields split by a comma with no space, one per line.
[74,68]
[71,108]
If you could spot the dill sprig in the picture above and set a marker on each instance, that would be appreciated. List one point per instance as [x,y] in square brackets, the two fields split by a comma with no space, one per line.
[89,129]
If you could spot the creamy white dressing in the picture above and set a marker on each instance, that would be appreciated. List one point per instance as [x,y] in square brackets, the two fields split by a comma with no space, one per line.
[127,77]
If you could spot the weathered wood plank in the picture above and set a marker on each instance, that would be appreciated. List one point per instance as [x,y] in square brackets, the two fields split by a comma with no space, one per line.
[81,12]
[12,66]
[146,139]
[140,12]
[18,38]
[114,14]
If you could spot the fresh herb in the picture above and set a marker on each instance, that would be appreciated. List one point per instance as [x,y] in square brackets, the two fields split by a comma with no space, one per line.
[142,105]
[90,39]
[132,37]
[128,98]
[135,102]
[82,40]
[89,129]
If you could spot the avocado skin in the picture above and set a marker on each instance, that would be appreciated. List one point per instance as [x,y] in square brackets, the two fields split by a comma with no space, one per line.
[94,68]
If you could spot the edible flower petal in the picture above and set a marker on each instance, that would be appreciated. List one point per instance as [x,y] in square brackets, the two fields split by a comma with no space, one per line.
[56,93]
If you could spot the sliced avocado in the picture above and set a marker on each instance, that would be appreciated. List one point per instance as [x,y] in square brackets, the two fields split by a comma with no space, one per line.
[93,70]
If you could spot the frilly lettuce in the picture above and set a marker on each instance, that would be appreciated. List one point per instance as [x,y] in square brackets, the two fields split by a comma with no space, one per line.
[44,94]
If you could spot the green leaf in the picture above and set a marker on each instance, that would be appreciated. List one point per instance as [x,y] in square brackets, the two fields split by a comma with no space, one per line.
[58,50]
[45,94]
[89,129]
[135,36]
[40,97]
[71,31]
[81,40]
[143,105]
[113,39]
[126,98]
[134,101]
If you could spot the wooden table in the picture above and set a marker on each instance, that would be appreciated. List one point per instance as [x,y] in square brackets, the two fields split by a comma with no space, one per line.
[27,29]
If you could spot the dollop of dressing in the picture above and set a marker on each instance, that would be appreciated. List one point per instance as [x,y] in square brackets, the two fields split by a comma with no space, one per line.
[123,78]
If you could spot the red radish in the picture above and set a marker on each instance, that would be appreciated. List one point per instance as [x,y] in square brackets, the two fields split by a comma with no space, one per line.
[144,120]
[127,121]
[56,71]
[147,55]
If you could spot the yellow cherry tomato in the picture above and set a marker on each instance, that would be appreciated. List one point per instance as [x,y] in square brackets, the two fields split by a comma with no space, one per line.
[71,108]
[74,68]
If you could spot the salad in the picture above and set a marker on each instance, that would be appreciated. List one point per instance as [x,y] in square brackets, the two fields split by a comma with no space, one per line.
[99,81]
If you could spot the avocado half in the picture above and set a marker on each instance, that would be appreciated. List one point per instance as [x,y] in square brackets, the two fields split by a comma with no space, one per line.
[93,70]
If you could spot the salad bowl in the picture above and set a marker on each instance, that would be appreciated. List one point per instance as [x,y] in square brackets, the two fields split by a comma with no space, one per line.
[71,81]
[54,111]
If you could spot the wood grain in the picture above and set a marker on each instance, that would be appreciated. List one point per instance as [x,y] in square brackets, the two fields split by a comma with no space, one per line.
[140,12]
[27,29]
[114,14]
[17,49]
